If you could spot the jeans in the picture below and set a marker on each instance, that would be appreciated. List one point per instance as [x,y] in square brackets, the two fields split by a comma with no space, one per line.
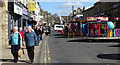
[14,51]
[38,40]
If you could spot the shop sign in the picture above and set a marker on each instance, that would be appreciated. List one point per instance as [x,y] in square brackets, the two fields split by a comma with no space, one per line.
[97,18]
[32,5]
[24,11]
[17,9]
[38,18]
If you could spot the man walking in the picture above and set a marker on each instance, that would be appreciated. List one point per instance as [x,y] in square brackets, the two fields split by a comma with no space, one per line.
[30,39]
[38,33]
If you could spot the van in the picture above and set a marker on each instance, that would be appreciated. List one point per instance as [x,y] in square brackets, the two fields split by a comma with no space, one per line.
[58,27]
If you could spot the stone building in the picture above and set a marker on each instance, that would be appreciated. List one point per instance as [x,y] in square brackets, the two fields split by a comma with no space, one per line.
[3,23]
[105,9]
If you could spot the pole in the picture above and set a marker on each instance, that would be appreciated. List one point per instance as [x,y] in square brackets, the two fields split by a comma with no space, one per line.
[68,35]
[72,9]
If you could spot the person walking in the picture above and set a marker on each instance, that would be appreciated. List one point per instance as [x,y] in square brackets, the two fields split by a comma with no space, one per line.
[66,31]
[30,39]
[22,33]
[49,29]
[38,33]
[16,43]
[42,31]
[24,29]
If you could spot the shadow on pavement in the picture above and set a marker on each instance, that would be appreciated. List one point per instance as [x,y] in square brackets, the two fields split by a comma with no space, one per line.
[89,40]
[115,45]
[60,37]
[58,34]
[109,56]
[10,48]
[11,60]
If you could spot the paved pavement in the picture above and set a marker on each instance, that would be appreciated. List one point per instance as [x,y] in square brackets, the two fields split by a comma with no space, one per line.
[58,49]
[7,56]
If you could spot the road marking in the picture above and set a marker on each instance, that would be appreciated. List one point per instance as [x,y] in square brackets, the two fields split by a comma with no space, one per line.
[45,59]
[48,51]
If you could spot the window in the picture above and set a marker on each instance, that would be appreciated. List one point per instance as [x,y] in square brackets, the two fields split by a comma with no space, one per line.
[116,5]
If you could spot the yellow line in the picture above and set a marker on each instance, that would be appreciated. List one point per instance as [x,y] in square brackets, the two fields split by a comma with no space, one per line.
[45,59]
[48,52]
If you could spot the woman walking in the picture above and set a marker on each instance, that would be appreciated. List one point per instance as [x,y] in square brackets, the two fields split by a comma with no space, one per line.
[16,43]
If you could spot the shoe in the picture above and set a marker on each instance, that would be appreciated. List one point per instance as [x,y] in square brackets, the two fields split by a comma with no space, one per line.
[29,62]
[15,61]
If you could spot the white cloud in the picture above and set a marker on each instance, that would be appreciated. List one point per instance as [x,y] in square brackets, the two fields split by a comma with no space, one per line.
[65,11]
[87,7]
[67,0]
[69,4]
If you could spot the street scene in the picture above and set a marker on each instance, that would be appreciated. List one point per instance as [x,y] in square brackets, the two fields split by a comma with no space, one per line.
[40,32]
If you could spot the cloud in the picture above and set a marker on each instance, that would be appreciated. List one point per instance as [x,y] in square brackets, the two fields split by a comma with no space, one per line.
[68,0]
[69,4]
[66,9]
[87,7]
[64,12]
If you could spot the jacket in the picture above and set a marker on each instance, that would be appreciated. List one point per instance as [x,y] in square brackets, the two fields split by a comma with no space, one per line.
[16,39]
[38,32]
[30,39]
[22,34]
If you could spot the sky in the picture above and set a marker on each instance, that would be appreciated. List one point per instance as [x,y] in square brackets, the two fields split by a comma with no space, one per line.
[64,8]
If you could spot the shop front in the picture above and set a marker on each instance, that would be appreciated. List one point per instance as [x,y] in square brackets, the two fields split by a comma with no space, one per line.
[14,16]
[25,17]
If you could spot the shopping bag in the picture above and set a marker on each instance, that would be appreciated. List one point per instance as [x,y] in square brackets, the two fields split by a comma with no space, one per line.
[20,53]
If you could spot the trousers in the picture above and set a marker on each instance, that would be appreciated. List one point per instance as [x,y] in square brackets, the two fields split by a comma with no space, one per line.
[14,51]
[30,51]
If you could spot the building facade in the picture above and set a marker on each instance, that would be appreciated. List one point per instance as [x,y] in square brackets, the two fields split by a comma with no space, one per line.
[104,9]
[3,23]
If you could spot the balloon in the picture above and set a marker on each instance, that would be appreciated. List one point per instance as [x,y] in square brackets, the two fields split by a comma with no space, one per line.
[110,25]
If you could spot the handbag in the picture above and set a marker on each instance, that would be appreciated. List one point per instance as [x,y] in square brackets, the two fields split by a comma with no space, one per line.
[10,41]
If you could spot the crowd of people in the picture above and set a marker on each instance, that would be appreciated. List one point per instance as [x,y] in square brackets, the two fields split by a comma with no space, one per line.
[27,37]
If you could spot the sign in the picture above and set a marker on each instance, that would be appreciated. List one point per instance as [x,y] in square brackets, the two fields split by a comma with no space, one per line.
[98,19]
[38,18]
[17,9]
[32,5]
[33,16]
[24,11]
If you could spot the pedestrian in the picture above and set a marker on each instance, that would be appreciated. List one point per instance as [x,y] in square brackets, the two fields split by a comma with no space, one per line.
[24,29]
[66,31]
[30,39]
[22,34]
[38,33]
[16,43]
[42,31]
[49,29]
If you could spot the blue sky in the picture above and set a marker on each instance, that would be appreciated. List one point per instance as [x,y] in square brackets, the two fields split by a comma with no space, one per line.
[63,8]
